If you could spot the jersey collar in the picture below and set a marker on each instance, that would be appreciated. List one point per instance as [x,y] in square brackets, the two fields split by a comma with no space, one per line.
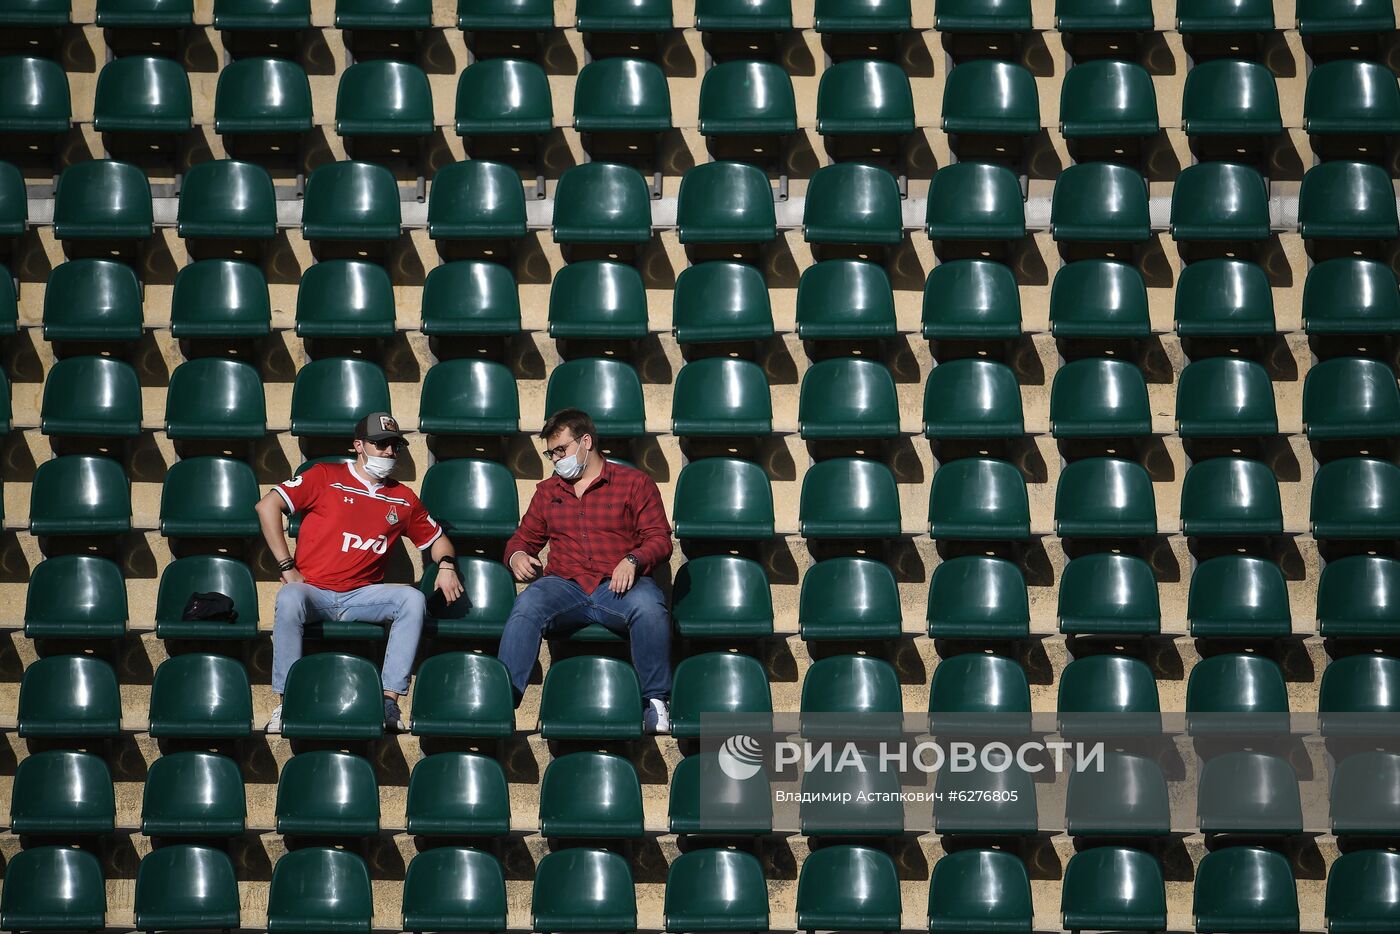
[369,487]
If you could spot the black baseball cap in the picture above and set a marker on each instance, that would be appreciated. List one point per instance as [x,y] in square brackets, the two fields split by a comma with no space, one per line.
[378,427]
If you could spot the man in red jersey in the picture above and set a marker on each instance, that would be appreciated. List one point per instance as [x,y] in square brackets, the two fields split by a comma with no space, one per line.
[606,530]
[352,515]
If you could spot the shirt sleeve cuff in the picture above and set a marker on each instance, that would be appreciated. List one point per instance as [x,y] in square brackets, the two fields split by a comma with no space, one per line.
[429,542]
[285,498]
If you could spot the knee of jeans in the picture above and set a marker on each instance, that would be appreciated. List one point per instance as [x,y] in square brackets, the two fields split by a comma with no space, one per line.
[651,615]
[291,600]
[412,602]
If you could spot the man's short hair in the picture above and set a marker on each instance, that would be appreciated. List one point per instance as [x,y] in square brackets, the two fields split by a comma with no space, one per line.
[577,421]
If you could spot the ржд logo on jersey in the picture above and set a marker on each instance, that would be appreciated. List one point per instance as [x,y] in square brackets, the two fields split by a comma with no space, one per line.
[350,541]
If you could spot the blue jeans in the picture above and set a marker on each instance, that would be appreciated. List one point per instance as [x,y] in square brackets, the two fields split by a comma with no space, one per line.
[554,606]
[299,604]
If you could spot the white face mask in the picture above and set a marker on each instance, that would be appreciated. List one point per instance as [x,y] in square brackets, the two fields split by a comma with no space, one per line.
[570,467]
[379,467]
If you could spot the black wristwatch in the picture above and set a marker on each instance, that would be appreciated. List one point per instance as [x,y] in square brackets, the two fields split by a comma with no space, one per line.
[632,558]
[448,562]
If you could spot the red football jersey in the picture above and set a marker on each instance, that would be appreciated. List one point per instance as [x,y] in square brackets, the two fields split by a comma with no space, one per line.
[349,525]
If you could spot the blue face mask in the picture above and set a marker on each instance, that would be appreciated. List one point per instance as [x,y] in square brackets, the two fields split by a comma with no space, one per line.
[570,468]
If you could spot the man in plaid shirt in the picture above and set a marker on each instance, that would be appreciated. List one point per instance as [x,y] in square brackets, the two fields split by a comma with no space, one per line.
[606,531]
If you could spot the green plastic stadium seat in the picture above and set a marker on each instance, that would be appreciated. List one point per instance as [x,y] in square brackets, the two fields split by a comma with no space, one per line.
[609,390]
[1359,595]
[1351,97]
[458,794]
[721,301]
[1236,693]
[1225,397]
[1224,298]
[982,15]
[1107,98]
[69,696]
[215,397]
[214,298]
[979,694]
[1103,15]
[102,199]
[722,596]
[193,794]
[979,892]
[14,203]
[505,15]
[1347,200]
[602,202]
[862,16]
[972,299]
[848,397]
[1363,892]
[743,15]
[848,888]
[872,811]
[142,94]
[481,611]
[345,298]
[262,95]
[184,577]
[591,794]
[469,397]
[470,297]
[304,807]
[1359,694]
[864,96]
[201,695]
[1100,202]
[186,887]
[978,597]
[383,14]
[723,497]
[726,202]
[991,97]
[598,299]
[621,95]
[978,498]
[1236,596]
[1350,295]
[716,890]
[1205,16]
[262,14]
[62,792]
[454,889]
[331,395]
[849,598]
[1231,98]
[845,299]
[75,597]
[1245,888]
[476,200]
[139,14]
[209,496]
[38,101]
[1114,888]
[503,96]
[721,396]
[850,202]
[704,800]
[34,13]
[746,98]
[583,890]
[1105,497]
[1230,496]
[1318,17]
[1219,201]
[9,323]
[718,684]
[223,198]
[1099,298]
[853,694]
[972,398]
[320,889]
[1008,808]
[975,201]
[624,16]
[1115,594]
[1128,798]
[383,98]
[53,888]
[591,697]
[1364,799]
[472,497]
[80,494]
[1351,397]
[463,694]
[1104,694]
[92,397]
[350,201]
[332,696]
[1356,497]
[1099,398]
[1248,792]
[849,497]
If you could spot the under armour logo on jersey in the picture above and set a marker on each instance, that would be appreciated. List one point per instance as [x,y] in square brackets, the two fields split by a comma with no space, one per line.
[349,499]
[349,541]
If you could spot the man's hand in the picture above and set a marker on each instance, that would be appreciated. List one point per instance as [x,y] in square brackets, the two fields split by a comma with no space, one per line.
[449,583]
[623,577]
[525,567]
[292,577]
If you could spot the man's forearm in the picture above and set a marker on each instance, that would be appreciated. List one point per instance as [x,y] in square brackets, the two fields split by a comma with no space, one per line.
[442,548]
[271,524]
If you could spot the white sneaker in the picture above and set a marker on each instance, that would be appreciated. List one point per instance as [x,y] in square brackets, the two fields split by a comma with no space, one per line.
[274,722]
[656,719]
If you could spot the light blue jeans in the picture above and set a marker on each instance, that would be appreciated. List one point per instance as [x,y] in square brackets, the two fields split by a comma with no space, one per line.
[298,604]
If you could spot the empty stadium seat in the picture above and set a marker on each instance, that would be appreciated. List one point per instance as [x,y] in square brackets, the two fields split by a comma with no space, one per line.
[1229,97]
[155,14]
[505,16]
[1344,200]
[747,98]
[214,298]
[980,694]
[1108,593]
[458,794]
[991,97]
[718,684]
[848,888]
[319,889]
[1219,201]
[215,397]
[1359,694]
[1103,694]
[80,494]
[471,497]
[978,498]
[39,100]
[193,794]
[1245,888]
[142,94]
[462,694]
[1236,693]
[712,890]
[488,593]
[262,95]
[1216,16]
[704,800]
[598,299]
[1098,298]
[721,596]
[470,297]
[1356,498]
[583,889]
[979,890]
[848,398]
[304,807]
[92,397]
[743,15]
[62,792]
[1224,298]
[1224,397]
[1317,17]
[476,200]
[502,97]
[330,395]
[332,696]
[972,398]
[591,697]
[1099,398]
[350,201]
[639,16]
[721,396]
[345,298]
[725,202]
[852,203]
[53,888]
[982,16]
[609,390]
[1248,792]
[1351,397]
[471,397]
[1230,496]
[1103,16]
[69,696]
[75,597]
[201,695]
[102,199]
[590,794]
[383,14]
[621,95]
[845,299]
[1365,795]
[864,97]
[849,598]
[383,98]
[1351,97]
[35,13]
[209,496]
[262,14]
[184,577]
[1004,806]
[971,299]
[849,497]
[9,321]
[1350,295]
[862,16]
[1100,202]
[978,597]
[721,301]
[873,809]
[1362,893]
[723,497]
[454,888]
[1105,497]
[186,887]
[1359,595]
[1114,888]
[851,695]
[1238,596]
[1107,98]
[602,202]
[1126,798]
[975,201]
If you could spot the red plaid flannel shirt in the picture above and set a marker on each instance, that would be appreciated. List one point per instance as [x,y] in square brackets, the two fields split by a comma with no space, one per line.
[619,513]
